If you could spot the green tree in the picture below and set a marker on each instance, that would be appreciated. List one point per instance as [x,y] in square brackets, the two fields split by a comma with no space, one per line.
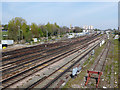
[77,30]
[34,30]
[57,29]
[49,29]
[65,29]
[5,27]
[28,36]
[43,30]
[24,30]
[40,32]
[14,27]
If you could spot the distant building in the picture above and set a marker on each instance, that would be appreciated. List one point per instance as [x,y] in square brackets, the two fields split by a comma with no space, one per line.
[88,29]
[72,35]
[85,27]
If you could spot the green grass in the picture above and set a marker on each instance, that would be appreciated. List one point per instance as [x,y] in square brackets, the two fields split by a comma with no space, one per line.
[116,45]
[87,61]
[112,55]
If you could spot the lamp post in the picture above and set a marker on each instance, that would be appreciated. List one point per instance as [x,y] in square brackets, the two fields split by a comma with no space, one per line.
[19,34]
[47,35]
[22,34]
[30,30]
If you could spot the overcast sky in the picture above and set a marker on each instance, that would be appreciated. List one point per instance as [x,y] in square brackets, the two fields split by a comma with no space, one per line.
[102,15]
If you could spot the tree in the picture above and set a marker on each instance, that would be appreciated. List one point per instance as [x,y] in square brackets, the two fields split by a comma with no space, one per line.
[77,30]
[18,30]
[40,32]
[24,30]
[96,29]
[5,27]
[43,30]
[34,30]
[49,29]
[14,27]
[28,36]
[65,29]
[57,29]
[116,32]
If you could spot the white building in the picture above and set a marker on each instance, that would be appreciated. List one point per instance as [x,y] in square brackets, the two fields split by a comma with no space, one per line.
[85,27]
[72,35]
[88,27]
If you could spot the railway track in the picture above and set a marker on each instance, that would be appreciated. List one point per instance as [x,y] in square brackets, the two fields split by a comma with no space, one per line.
[14,53]
[16,66]
[7,65]
[26,49]
[99,63]
[39,53]
[33,50]
[45,82]
[54,47]
[29,52]
[24,72]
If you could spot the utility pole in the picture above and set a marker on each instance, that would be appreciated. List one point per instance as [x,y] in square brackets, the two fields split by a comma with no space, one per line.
[22,34]
[19,34]
[46,34]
